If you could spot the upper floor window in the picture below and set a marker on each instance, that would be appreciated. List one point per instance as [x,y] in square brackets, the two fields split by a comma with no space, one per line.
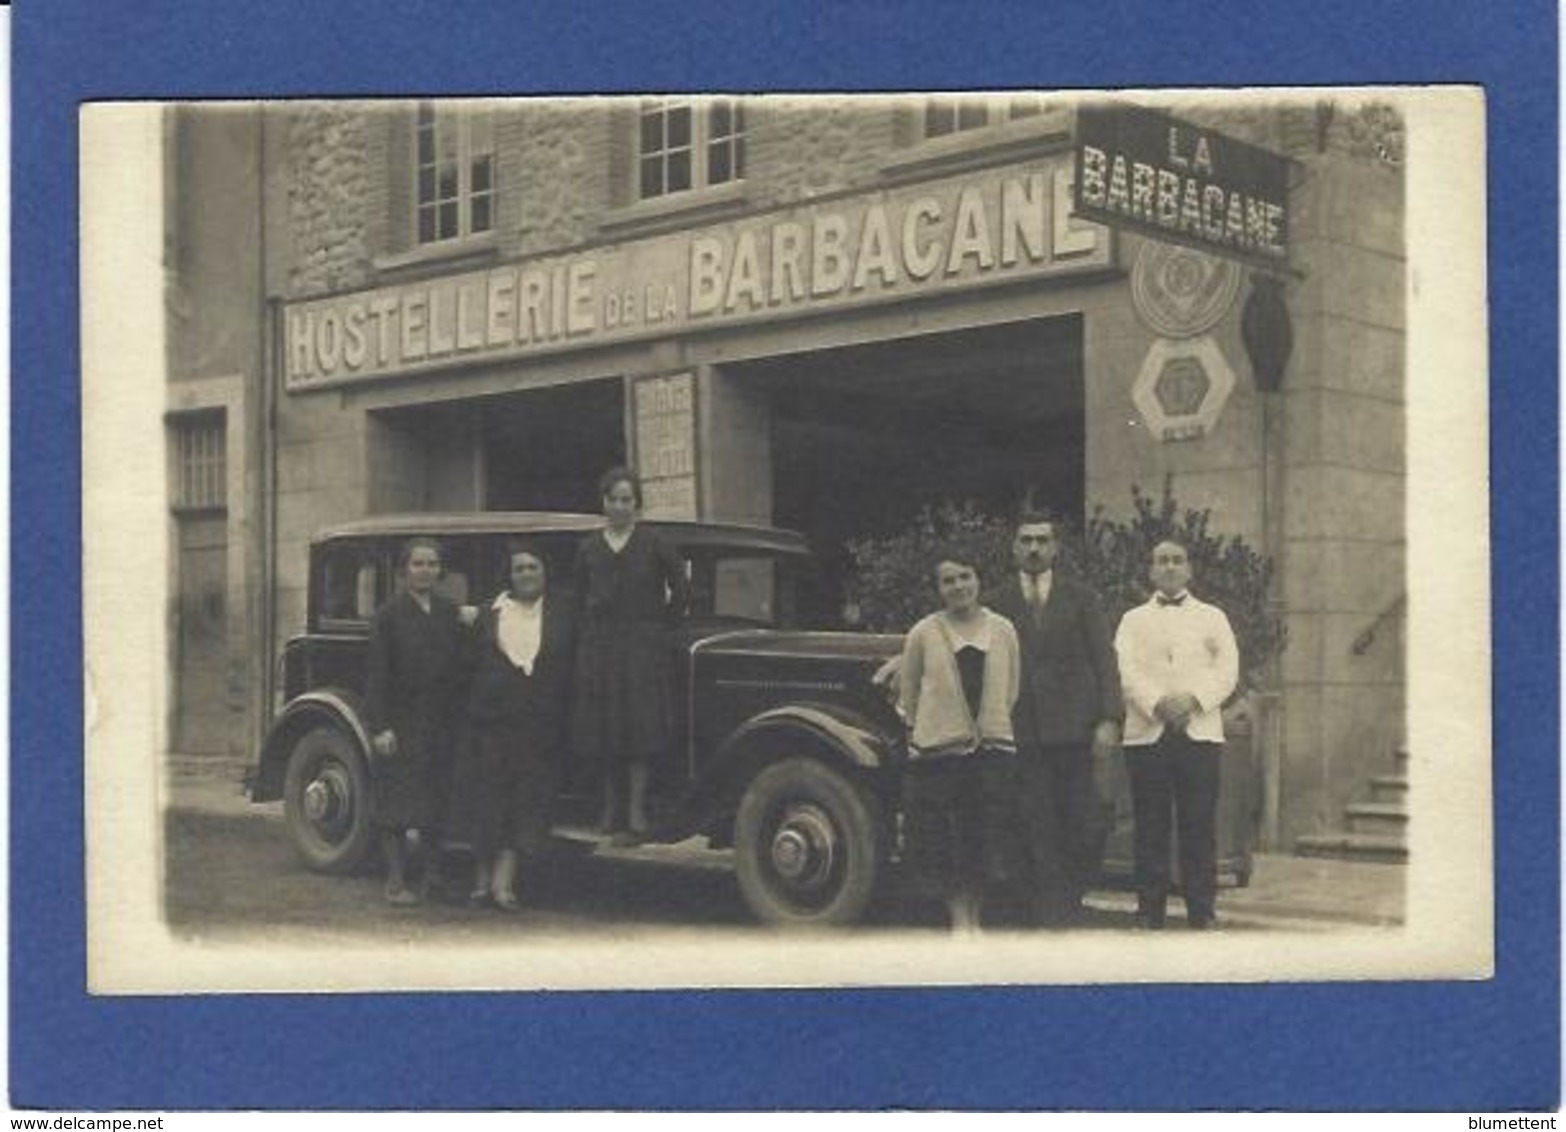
[686,145]
[455,148]
[944,116]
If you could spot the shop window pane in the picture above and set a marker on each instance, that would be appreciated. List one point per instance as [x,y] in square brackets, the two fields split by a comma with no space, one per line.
[448,183]
[426,225]
[739,157]
[447,227]
[481,217]
[481,175]
[720,119]
[718,163]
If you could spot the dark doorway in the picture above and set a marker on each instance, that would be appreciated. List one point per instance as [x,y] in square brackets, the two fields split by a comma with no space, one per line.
[545,449]
[865,437]
[201,718]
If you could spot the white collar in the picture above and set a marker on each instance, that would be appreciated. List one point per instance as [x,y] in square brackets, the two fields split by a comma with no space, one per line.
[505,599]
[960,634]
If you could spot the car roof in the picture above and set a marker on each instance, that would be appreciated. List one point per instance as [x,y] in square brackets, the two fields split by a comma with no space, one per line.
[450,523]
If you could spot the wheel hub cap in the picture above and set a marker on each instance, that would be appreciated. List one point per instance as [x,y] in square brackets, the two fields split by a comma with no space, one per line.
[324,799]
[804,847]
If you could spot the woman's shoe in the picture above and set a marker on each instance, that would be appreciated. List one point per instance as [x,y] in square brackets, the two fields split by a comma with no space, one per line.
[627,838]
[507,901]
[400,895]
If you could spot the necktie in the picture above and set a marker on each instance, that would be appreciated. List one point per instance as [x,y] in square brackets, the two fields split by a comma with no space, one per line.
[1035,604]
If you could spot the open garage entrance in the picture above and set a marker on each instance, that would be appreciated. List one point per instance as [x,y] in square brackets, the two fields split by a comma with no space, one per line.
[545,449]
[865,437]
[536,450]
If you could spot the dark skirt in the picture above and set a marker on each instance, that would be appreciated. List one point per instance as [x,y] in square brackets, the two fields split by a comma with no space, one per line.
[624,692]
[503,795]
[961,822]
[410,786]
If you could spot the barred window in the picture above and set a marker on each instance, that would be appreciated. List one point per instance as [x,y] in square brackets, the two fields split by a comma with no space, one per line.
[944,116]
[683,145]
[455,156]
[200,458]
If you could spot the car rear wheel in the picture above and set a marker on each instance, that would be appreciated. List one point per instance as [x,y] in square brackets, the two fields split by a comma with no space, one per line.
[326,801]
[807,845]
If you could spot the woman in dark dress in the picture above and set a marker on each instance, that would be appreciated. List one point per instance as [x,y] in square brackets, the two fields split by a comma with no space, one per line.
[411,708]
[631,589]
[517,717]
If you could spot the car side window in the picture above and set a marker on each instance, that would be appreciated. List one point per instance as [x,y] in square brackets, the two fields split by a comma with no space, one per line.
[457,571]
[348,585]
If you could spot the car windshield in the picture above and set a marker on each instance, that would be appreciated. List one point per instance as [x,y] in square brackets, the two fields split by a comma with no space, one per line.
[749,586]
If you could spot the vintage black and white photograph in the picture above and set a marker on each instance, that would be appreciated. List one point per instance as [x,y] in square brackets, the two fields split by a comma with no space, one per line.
[758,540]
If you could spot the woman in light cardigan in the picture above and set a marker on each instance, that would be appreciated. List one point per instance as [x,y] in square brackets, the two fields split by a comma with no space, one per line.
[959,680]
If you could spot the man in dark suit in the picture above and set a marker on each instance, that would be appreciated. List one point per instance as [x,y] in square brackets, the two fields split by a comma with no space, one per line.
[1067,716]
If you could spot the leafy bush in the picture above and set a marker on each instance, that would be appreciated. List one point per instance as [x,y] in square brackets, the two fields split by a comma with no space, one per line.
[893,582]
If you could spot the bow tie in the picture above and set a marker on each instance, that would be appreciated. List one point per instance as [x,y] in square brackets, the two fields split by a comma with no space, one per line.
[1162,600]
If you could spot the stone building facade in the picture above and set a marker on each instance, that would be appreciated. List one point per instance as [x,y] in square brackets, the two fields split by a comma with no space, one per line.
[795,301]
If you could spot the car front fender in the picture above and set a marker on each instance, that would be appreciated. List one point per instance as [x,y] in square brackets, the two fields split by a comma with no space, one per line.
[335,707]
[846,733]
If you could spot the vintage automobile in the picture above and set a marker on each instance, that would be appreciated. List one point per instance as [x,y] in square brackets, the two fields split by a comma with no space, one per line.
[786,751]
[789,750]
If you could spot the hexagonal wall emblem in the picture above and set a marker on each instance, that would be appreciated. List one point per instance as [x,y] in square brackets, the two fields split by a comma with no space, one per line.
[1182,387]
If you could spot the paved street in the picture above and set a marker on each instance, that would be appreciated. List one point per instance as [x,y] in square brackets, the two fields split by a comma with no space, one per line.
[231,872]
[230,868]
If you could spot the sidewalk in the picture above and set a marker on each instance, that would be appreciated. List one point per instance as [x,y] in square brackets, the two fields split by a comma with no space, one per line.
[1312,893]
[210,785]
[1288,891]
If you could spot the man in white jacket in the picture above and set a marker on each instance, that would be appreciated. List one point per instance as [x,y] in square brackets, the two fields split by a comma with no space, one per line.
[1178,664]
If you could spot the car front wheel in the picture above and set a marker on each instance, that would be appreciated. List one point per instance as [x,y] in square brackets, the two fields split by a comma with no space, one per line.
[807,845]
[326,801]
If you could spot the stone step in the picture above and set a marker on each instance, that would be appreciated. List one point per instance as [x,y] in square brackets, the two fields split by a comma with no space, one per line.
[1352,847]
[1389,788]
[1387,818]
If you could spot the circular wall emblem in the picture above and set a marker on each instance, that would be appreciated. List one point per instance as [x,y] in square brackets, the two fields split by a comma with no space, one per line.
[1180,292]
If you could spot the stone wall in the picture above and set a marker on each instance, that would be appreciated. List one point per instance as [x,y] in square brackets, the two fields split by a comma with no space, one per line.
[553,175]
[328,189]
[1343,568]
[800,148]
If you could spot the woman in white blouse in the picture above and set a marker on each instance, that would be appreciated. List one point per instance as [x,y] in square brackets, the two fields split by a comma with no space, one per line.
[958,683]
[518,713]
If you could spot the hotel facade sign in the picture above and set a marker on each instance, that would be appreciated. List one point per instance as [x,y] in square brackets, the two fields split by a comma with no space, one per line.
[1155,174]
[1002,225]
